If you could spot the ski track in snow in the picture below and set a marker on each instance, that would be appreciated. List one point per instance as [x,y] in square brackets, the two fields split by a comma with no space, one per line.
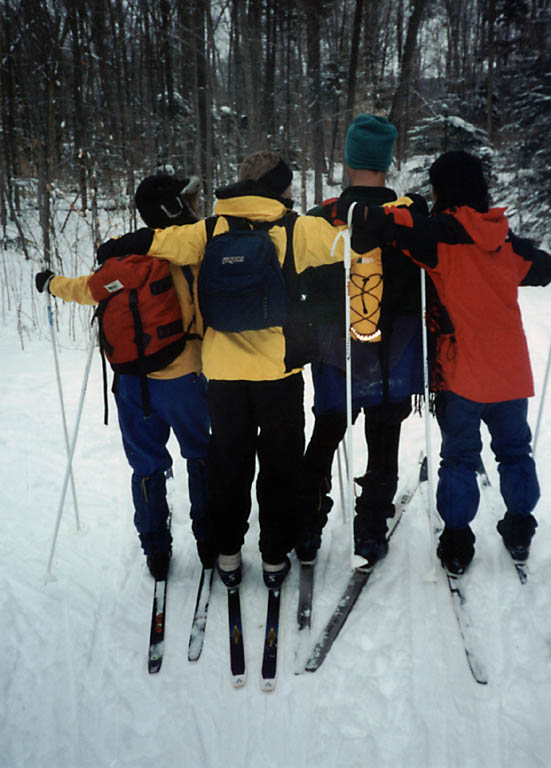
[395,691]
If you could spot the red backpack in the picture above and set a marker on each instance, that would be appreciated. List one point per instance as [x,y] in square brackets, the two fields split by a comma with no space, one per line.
[140,320]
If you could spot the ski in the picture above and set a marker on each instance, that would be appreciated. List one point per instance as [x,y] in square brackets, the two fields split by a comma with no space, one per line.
[522,573]
[157,631]
[458,601]
[304,615]
[357,581]
[199,624]
[305,594]
[237,648]
[271,636]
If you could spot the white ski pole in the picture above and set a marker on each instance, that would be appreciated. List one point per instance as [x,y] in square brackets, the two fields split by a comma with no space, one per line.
[542,402]
[61,402]
[71,454]
[346,234]
[431,575]
[340,459]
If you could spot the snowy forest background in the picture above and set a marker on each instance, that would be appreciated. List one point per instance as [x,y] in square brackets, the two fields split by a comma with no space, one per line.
[94,95]
[97,93]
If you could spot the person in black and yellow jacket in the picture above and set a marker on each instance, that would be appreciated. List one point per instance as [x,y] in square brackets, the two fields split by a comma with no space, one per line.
[176,392]
[386,353]
[255,389]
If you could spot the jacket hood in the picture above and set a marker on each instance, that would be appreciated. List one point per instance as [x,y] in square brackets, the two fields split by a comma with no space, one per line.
[488,230]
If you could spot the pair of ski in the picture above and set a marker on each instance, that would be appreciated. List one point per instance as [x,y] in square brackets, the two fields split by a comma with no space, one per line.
[460,602]
[237,645]
[271,633]
[356,583]
[158,614]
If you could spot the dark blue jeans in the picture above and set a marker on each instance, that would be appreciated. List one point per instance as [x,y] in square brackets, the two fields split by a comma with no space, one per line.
[179,405]
[459,419]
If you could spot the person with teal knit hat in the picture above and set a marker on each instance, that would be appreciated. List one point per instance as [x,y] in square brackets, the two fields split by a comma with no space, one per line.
[386,356]
[370,143]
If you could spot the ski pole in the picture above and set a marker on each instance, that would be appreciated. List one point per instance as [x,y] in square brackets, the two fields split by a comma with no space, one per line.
[542,402]
[431,575]
[346,234]
[340,452]
[71,454]
[61,401]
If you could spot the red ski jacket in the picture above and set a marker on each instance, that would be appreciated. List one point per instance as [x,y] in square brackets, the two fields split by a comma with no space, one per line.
[476,264]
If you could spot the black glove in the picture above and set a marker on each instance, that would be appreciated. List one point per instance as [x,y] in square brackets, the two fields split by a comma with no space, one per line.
[42,279]
[343,205]
[134,242]
[419,204]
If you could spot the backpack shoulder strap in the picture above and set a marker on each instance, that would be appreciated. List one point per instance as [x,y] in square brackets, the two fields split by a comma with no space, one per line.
[289,268]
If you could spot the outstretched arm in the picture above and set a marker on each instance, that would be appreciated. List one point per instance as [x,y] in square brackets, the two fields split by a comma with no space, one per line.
[540,267]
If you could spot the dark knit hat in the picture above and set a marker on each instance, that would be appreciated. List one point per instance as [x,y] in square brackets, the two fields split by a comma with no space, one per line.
[369,143]
[278,178]
[458,179]
[161,200]
[268,169]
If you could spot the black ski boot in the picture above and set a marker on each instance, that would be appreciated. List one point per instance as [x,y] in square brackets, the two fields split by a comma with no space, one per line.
[456,549]
[309,540]
[158,564]
[517,532]
[274,575]
[229,569]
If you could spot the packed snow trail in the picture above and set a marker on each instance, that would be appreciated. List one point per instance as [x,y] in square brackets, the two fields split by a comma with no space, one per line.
[395,690]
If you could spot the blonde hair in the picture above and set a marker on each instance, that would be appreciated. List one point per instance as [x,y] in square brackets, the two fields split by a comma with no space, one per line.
[257,164]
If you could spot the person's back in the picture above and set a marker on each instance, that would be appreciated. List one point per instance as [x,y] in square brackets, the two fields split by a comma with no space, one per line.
[384,293]
[163,391]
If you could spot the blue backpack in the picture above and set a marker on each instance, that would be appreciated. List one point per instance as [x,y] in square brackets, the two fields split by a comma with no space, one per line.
[241,284]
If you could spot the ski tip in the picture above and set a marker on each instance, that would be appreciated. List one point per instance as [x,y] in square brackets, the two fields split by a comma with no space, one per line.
[268,685]
[311,666]
[239,681]
[154,662]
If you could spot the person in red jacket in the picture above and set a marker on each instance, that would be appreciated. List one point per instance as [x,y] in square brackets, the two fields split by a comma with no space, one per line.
[481,366]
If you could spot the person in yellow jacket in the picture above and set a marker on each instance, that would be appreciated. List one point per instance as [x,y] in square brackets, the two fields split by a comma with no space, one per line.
[256,401]
[177,392]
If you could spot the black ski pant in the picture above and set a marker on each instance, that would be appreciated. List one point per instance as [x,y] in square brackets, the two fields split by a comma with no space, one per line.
[382,432]
[251,419]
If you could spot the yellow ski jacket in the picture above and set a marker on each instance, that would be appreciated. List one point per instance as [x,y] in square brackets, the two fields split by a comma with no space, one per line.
[249,355]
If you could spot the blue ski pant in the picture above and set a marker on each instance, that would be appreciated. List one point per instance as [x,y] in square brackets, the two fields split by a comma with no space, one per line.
[459,419]
[179,405]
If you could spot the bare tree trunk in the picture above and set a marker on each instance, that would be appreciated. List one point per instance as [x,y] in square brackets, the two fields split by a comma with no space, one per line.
[314,87]
[397,112]
[491,65]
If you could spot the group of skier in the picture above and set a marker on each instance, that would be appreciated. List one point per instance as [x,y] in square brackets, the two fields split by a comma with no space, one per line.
[230,385]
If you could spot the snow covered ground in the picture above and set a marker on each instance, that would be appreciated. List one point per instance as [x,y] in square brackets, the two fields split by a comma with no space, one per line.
[394,692]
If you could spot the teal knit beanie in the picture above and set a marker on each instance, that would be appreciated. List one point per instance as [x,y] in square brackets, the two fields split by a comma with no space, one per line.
[369,143]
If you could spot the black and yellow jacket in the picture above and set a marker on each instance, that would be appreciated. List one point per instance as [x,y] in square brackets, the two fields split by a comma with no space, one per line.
[394,303]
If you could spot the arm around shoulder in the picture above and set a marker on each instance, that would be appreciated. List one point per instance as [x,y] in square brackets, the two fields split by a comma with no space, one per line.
[539,272]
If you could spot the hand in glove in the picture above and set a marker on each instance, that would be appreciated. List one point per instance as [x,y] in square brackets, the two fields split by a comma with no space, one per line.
[134,242]
[358,216]
[42,280]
